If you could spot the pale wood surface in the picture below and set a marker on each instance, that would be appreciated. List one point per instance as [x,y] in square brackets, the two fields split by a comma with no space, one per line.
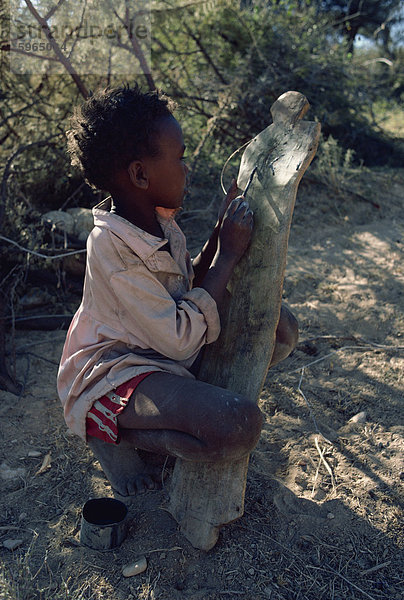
[204,496]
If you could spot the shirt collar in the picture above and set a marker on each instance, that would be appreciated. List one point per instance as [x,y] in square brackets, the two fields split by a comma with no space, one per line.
[142,243]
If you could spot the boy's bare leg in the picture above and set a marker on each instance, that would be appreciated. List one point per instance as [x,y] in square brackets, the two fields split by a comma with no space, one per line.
[189,419]
[171,432]
[180,417]
[134,475]
[287,335]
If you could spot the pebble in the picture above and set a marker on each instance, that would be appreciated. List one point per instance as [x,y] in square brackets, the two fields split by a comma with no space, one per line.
[251,571]
[135,568]
[34,454]
[358,418]
[12,544]
[22,516]
[319,495]
[330,516]
[7,473]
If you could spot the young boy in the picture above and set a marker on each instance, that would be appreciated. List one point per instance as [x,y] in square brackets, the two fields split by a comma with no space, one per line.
[127,373]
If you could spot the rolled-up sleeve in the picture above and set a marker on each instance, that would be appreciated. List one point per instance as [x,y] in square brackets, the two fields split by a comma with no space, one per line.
[204,302]
[175,329]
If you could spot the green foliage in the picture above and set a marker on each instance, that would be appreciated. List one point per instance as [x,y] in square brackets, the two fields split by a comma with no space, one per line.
[224,63]
[334,166]
[226,66]
[372,17]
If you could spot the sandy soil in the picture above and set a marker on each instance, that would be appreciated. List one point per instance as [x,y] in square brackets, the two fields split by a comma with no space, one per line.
[323,514]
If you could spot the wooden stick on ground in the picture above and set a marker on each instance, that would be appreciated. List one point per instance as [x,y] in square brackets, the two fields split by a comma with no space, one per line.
[204,496]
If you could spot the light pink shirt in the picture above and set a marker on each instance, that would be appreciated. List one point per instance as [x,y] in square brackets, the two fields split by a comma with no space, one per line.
[138,313]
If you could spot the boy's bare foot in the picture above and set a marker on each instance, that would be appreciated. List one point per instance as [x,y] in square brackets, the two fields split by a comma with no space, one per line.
[127,473]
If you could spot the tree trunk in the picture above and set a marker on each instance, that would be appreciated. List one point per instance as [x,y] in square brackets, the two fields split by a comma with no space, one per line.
[205,496]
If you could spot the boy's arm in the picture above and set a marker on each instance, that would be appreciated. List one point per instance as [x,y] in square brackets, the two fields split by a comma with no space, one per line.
[203,261]
[234,238]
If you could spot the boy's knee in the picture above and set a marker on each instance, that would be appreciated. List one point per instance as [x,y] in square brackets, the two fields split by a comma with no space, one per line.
[242,427]
[288,328]
[253,419]
[287,335]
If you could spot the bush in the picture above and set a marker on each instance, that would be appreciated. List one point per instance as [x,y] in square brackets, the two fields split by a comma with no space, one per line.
[232,64]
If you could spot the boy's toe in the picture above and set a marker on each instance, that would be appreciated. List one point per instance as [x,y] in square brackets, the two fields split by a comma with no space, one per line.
[132,487]
[144,483]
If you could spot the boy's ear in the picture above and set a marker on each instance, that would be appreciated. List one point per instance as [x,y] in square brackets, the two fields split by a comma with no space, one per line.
[138,175]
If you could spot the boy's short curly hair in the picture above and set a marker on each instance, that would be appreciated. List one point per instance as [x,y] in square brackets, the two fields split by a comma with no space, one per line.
[112,128]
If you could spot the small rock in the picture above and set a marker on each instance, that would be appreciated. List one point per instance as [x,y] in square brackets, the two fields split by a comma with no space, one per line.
[135,568]
[34,454]
[251,571]
[12,544]
[163,555]
[22,516]
[330,516]
[358,418]
[83,221]
[35,297]
[7,473]
[319,495]
[59,220]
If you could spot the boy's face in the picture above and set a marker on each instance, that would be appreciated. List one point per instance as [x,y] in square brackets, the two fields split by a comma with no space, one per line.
[167,172]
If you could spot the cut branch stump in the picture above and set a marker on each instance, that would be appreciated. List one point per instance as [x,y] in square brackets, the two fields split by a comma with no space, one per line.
[205,496]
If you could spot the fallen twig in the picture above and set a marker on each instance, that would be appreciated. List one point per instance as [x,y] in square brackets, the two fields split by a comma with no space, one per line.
[325,463]
[326,568]
[376,568]
[39,254]
[163,550]
[352,338]
[299,389]
[330,569]
[369,346]
[315,478]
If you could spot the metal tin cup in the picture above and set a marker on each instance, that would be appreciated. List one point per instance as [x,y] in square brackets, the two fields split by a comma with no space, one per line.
[104,523]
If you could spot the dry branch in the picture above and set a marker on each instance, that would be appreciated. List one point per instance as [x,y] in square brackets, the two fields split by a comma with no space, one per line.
[56,48]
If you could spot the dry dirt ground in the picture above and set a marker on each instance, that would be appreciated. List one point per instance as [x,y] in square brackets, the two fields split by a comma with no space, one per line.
[323,512]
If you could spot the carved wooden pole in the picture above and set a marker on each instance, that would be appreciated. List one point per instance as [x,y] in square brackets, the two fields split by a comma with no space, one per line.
[204,496]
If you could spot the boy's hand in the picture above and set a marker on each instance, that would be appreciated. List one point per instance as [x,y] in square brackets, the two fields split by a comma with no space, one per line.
[231,194]
[236,230]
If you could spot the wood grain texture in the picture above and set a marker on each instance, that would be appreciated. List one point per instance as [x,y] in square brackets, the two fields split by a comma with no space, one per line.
[204,496]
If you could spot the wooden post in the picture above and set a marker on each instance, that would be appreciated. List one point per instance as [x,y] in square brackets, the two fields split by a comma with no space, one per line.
[204,496]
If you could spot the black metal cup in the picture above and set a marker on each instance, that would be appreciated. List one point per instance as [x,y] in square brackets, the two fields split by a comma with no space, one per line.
[104,523]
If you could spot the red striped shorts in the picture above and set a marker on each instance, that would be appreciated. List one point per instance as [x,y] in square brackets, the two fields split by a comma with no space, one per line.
[101,419]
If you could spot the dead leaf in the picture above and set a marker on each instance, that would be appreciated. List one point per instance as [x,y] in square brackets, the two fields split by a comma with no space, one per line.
[46,463]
